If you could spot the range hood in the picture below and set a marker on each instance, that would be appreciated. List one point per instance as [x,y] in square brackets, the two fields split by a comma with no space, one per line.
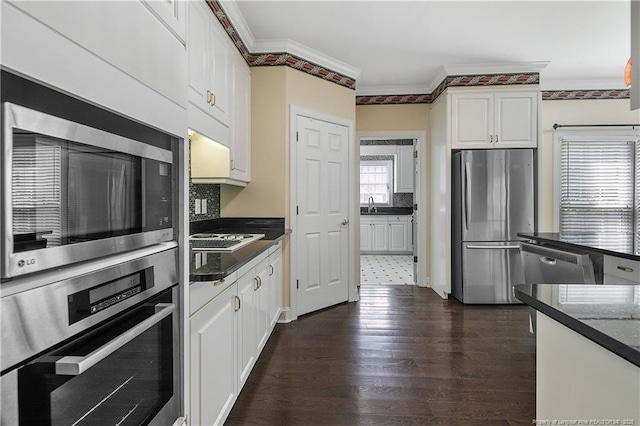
[210,161]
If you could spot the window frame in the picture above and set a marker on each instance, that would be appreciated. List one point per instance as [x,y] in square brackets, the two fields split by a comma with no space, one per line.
[585,134]
[390,170]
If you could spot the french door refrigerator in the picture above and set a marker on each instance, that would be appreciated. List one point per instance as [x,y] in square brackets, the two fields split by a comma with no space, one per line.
[492,200]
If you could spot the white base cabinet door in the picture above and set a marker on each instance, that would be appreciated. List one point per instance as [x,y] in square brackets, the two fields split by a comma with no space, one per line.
[398,234]
[380,233]
[213,358]
[247,326]
[263,306]
[275,285]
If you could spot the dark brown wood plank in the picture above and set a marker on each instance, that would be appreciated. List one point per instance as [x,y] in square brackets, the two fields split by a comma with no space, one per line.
[400,356]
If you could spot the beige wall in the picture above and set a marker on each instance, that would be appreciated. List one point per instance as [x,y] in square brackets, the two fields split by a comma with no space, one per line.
[273,91]
[615,111]
[392,117]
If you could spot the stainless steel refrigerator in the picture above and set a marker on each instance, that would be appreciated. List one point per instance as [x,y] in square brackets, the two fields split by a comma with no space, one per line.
[493,199]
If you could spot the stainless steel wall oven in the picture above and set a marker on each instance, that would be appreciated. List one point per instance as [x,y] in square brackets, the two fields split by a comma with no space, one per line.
[90,300]
[97,349]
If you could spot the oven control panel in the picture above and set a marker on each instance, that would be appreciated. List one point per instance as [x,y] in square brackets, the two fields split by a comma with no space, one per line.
[97,298]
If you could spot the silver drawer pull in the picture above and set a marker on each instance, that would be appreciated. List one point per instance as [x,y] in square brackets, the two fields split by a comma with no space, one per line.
[625,269]
[219,282]
[76,365]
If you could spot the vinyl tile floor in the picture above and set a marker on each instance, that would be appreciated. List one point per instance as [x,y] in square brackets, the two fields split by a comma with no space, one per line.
[386,269]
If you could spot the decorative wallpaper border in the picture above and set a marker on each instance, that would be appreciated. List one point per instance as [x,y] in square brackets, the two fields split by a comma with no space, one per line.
[561,95]
[275,59]
[452,81]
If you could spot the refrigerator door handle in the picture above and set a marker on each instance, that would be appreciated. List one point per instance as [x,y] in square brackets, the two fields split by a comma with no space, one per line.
[467,194]
[494,247]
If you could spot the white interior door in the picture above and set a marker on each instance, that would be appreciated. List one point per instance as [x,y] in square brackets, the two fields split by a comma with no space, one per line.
[322,210]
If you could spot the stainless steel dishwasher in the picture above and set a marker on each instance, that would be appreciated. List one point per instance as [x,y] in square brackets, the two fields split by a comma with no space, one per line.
[545,265]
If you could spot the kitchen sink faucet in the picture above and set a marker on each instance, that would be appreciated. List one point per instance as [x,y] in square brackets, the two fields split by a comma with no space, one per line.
[372,207]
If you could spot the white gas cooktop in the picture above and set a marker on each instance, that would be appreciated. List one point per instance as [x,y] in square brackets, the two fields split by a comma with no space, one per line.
[221,242]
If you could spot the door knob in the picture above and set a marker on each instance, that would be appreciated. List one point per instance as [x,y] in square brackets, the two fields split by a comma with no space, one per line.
[345,222]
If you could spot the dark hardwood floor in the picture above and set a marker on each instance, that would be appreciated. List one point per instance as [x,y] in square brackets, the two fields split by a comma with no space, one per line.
[401,355]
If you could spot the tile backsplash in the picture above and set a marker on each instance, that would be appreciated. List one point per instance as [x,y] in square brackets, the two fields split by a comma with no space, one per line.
[208,192]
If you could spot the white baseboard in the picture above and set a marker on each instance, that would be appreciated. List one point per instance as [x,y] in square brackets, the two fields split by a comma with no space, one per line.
[426,282]
[285,316]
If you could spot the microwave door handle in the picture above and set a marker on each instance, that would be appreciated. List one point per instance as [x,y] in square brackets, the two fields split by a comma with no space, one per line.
[76,365]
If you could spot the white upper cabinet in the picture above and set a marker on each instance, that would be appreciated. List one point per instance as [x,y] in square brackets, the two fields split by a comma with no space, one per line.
[119,55]
[404,169]
[219,100]
[241,124]
[210,65]
[501,119]
[172,13]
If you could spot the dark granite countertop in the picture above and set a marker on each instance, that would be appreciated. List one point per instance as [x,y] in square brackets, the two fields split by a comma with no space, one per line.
[380,211]
[577,242]
[608,315]
[213,266]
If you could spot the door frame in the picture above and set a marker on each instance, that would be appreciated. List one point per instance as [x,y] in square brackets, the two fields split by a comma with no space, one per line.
[353,274]
[419,192]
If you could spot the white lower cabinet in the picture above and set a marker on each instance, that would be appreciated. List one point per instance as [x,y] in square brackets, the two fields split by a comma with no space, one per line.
[618,270]
[212,339]
[386,234]
[398,232]
[247,326]
[275,283]
[228,332]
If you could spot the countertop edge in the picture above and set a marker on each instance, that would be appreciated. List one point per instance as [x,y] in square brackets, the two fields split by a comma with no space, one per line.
[238,265]
[598,337]
[579,246]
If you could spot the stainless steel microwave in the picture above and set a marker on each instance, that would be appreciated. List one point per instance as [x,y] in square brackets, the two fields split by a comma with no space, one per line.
[72,192]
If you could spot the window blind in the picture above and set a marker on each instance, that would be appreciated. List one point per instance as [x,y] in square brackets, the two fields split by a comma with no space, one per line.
[597,192]
[375,181]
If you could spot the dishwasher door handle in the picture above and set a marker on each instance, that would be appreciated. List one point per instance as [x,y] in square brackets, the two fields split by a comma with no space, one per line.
[548,260]
[493,247]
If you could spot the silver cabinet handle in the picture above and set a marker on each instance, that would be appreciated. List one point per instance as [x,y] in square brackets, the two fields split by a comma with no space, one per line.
[548,260]
[271,270]
[625,269]
[238,303]
[344,222]
[257,285]
[76,365]
[494,247]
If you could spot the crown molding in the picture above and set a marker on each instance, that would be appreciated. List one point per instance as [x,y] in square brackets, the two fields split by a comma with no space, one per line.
[391,90]
[495,68]
[586,85]
[304,52]
[232,11]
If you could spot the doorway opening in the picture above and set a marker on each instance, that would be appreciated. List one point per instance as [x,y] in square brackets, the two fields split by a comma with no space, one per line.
[387,228]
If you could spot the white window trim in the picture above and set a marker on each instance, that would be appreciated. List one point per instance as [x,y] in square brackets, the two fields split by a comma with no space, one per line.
[391,165]
[586,134]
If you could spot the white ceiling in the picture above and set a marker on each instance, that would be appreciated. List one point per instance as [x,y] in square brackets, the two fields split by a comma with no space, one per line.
[403,47]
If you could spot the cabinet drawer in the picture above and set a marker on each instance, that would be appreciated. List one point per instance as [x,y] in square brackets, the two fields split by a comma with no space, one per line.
[622,268]
[611,280]
[201,292]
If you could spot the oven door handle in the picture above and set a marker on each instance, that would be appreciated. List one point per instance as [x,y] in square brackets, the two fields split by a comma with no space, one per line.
[76,365]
